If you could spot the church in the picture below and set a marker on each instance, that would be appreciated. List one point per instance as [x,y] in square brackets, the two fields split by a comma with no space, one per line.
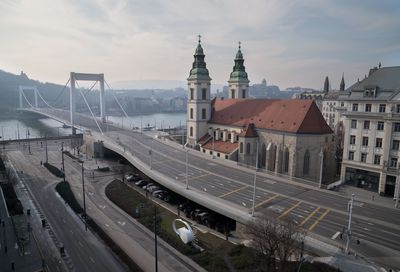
[288,136]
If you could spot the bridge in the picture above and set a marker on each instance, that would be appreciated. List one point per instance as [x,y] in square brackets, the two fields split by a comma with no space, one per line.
[237,192]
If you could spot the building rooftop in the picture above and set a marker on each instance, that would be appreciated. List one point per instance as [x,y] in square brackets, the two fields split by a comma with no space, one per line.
[289,115]
[385,78]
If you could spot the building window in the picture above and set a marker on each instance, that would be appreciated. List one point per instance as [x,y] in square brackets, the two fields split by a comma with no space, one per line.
[352,139]
[395,144]
[226,157]
[396,127]
[248,148]
[366,124]
[229,136]
[355,107]
[393,162]
[286,160]
[237,138]
[398,108]
[306,164]
[353,123]
[365,141]
[191,93]
[191,132]
[368,107]
[241,148]
[378,143]
[191,113]
[363,157]
[233,93]
[377,159]
[243,93]
[221,135]
[380,126]
[342,104]
[218,155]
[382,107]
[203,114]
[204,94]
[351,155]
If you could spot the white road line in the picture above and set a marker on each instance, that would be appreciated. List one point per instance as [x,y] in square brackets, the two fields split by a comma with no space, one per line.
[335,235]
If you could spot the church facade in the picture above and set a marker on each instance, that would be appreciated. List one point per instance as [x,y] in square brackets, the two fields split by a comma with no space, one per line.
[288,137]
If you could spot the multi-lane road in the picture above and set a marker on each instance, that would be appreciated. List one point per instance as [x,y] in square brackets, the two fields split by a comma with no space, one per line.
[320,212]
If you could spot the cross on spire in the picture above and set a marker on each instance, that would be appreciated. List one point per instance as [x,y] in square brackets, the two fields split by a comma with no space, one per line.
[240,43]
[199,38]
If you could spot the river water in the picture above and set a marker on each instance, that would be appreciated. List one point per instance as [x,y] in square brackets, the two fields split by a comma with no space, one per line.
[19,126]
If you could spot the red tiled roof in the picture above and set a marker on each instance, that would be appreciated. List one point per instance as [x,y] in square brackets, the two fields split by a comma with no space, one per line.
[221,146]
[288,115]
[249,131]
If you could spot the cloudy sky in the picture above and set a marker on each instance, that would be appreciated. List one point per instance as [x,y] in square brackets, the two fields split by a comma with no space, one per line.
[290,43]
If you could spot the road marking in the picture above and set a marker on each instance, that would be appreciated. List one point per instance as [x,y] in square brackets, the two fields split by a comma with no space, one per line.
[319,219]
[121,223]
[234,191]
[202,176]
[289,210]
[90,258]
[309,216]
[266,201]
[161,161]
[80,243]
[335,235]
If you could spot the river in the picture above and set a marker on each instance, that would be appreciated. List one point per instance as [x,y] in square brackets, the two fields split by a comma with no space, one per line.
[19,126]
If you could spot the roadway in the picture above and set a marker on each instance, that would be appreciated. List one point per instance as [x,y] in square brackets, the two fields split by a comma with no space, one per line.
[320,212]
[86,252]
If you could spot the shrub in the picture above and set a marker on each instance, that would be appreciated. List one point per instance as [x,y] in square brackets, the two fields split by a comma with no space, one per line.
[54,170]
[65,192]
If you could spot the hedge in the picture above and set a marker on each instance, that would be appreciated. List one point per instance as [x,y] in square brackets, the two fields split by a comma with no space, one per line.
[54,170]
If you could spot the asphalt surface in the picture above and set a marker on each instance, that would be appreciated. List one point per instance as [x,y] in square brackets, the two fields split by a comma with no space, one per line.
[319,212]
[86,252]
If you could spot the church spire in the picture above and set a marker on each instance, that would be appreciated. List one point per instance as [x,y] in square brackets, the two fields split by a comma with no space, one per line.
[326,84]
[239,71]
[199,69]
[342,84]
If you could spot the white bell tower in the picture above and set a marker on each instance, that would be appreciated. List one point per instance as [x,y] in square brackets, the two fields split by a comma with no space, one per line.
[199,98]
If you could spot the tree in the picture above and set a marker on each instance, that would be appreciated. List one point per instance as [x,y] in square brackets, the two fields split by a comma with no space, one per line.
[276,241]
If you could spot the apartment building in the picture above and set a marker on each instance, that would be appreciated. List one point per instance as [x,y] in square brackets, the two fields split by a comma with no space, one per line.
[371,119]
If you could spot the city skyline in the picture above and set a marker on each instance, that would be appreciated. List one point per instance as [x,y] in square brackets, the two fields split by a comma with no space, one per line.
[294,43]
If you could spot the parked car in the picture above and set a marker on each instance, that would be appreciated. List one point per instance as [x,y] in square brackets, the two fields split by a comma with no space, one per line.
[157,192]
[153,188]
[145,187]
[141,183]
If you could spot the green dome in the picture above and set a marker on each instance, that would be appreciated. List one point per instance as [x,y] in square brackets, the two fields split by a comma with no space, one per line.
[199,69]
[239,71]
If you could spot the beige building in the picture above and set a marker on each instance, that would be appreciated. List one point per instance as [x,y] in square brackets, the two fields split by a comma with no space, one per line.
[285,136]
[372,131]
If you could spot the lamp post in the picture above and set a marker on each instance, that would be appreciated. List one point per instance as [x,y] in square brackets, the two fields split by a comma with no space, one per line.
[2,137]
[187,172]
[397,192]
[255,181]
[62,158]
[47,155]
[348,232]
[29,144]
[321,159]
[155,239]
[150,153]
[213,146]
[84,197]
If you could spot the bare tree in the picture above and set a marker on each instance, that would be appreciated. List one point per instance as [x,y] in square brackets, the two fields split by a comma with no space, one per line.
[276,241]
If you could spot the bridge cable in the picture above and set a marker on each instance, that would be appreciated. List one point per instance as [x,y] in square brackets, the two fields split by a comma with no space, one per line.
[91,87]
[87,104]
[26,99]
[45,100]
[62,91]
[115,97]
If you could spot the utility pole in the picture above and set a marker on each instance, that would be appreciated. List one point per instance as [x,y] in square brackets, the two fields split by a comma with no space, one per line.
[18,128]
[47,155]
[29,144]
[62,157]
[255,182]
[2,136]
[350,209]
[187,172]
[397,192]
[150,153]
[84,197]
[213,146]
[155,238]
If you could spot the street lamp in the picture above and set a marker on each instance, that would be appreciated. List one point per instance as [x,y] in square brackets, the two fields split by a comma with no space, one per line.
[187,172]
[348,232]
[397,192]
[2,137]
[255,181]
[84,197]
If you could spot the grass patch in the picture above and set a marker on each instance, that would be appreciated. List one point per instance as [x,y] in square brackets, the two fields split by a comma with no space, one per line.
[212,259]
[54,170]
[65,192]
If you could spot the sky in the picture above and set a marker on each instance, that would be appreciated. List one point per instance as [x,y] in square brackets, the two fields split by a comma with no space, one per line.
[288,42]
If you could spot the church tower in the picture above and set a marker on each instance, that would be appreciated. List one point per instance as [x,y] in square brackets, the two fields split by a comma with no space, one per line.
[342,84]
[238,81]
[199,98]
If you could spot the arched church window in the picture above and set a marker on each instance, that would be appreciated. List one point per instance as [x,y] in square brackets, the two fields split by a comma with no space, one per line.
[286,160]
[241,148]
[204,94]
[233,93]
[191,113]
[243,93]
[248,148]
[191,131]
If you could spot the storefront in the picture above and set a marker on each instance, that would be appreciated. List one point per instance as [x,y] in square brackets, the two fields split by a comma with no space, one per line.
[362,179]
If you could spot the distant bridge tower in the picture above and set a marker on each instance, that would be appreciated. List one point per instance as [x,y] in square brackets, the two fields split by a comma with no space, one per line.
[22,90]
[87,77]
